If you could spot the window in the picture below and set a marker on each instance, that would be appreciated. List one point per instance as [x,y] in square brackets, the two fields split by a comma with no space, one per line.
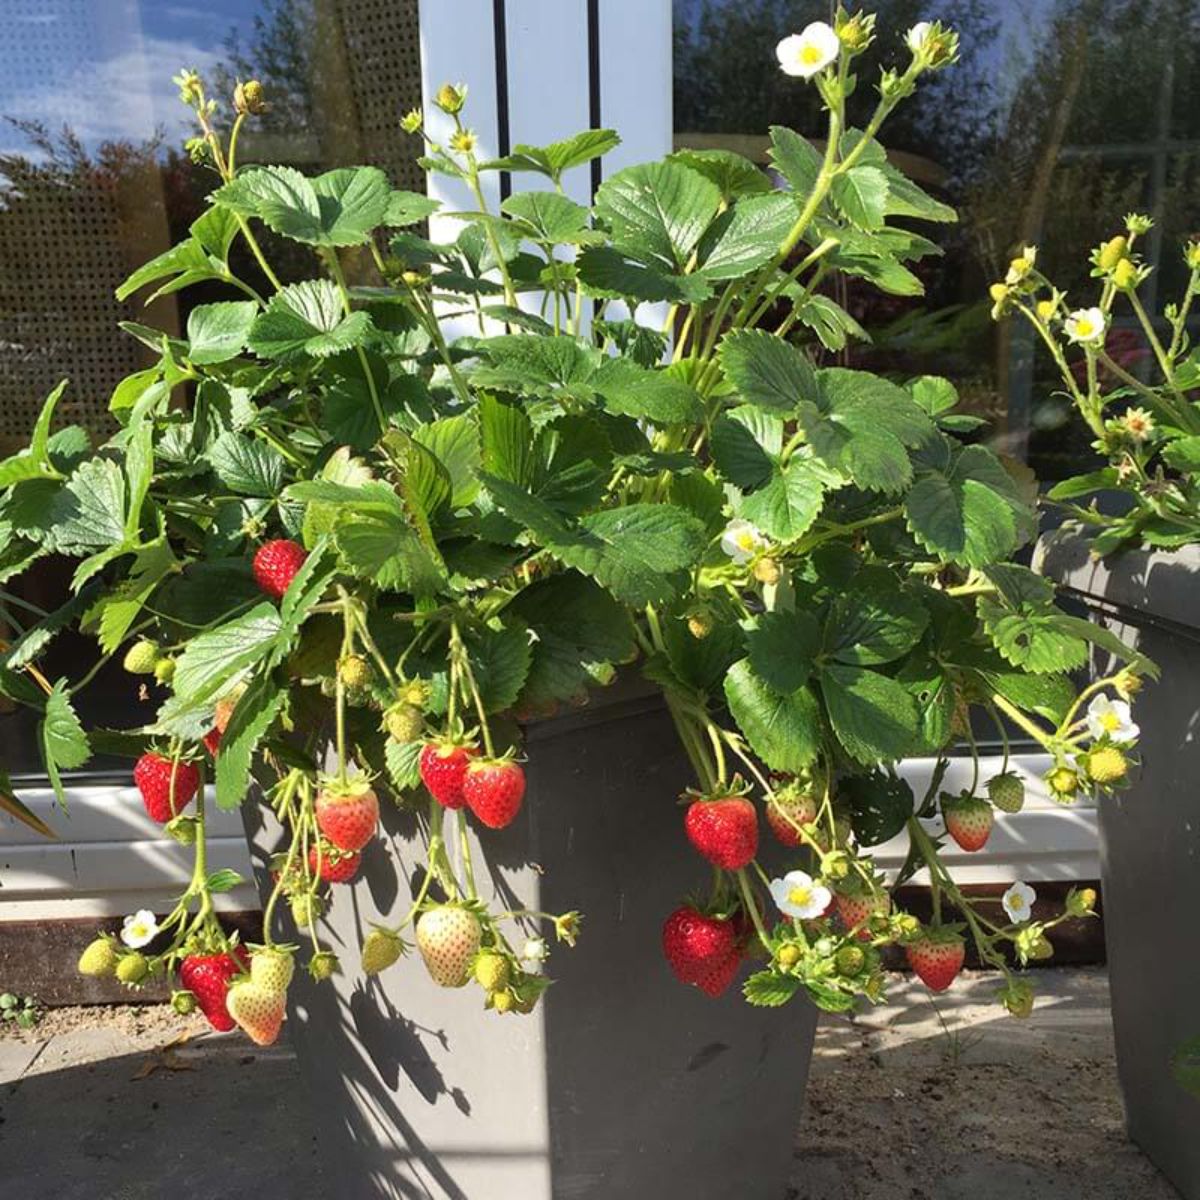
[1061,116]
[94,181]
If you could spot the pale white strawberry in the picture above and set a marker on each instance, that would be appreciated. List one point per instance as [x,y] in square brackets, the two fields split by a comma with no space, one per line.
[448,939]
[258,1010]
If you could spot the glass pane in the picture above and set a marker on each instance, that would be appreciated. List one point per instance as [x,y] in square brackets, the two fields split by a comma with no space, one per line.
[94,181]
[1062,116]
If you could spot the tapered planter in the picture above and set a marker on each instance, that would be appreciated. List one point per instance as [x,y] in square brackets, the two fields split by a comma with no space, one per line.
[622,1085]
[1150,840]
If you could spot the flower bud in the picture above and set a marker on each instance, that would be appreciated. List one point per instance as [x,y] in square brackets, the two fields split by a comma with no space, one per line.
[249,98]
[451,97]
[191,90]
[1081,902]
[856,31]
[1138,224]
[1046,309]
[1127,683]
[164,670]
[412,121]
[463,140]
[1191,255]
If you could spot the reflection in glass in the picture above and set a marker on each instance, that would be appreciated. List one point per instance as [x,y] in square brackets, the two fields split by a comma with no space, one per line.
[1062,116]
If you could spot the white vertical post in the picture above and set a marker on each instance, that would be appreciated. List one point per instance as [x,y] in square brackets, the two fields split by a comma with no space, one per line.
[540,70]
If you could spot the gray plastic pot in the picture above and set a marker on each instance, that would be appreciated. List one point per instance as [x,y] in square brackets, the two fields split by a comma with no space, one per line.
[1150,839]
[623,1084]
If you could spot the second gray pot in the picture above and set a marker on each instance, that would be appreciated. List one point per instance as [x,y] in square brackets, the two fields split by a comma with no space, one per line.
[623,1084]
[1150,840]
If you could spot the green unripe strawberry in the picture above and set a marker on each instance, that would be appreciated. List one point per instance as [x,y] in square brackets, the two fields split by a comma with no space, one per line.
[789,955]
[503,1002]
[1112,252]
[1107,765]
[99,960]
[1081,902]
[306,908]
[491,971]
[1007,792]
[1125,275]
[323,965]
[355,673]
[164,670]
[380,949]
[183,1002]
[141,657]
[404,723]
[272,968]
[849,960]
[132,968]
[1017,997]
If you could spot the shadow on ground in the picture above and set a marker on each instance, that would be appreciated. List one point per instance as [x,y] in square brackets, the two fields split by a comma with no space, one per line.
[955,1100]
[235,1125]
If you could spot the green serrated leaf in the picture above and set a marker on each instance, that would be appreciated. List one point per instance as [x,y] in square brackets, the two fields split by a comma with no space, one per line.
[307,319]
[768,989]
[338,208]
[217,332]
[783,729]
[211,660]
[781,647]
[657,212]
[247,465]
[766,370]
[874,621]
[880,804]
[874,716]
[796,159]
[255,713]
[862,194]
[790,501]
[746,236]
[500,661]
[65,745]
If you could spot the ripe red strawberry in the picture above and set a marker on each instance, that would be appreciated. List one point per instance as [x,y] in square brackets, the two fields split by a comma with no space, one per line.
[937,957]
[207,977]
[337,866]
[222,714]
[854,909]
[494,789]
[448,939]
[968,821]
[443,766]
[212,741]
[347,813]
[257,1009]
[724,830]
[152,774]
[786,809]
[718,978]
[696,945]
[275,565]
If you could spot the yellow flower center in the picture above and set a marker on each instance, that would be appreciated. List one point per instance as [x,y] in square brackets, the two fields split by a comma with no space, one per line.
[1110,722]
[1084,327]
[810,55]
[801,897]
[745,541]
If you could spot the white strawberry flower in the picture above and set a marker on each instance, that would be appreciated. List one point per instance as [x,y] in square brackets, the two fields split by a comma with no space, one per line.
[809,51]
[797,895]
[1086,326]
[741,541]
[1111,718]
[535,951]
[139,929]
[916,37]
[1018,902]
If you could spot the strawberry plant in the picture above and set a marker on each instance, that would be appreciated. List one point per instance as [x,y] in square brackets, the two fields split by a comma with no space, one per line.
[348,551]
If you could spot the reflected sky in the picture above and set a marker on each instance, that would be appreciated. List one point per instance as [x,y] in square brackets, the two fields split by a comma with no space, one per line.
[104,67]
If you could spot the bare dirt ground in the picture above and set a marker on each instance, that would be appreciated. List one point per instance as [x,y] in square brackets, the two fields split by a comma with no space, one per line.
[911,1101]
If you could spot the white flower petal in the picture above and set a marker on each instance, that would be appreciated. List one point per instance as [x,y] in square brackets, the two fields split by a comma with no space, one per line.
[741,541]
[811,50]
[915,37]
[1086,326]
